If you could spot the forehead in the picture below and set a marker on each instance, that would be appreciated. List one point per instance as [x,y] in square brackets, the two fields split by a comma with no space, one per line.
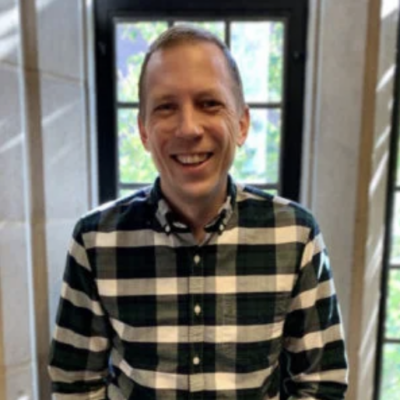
[186,64]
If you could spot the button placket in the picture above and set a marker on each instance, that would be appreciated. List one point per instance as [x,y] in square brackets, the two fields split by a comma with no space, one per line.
[196,329]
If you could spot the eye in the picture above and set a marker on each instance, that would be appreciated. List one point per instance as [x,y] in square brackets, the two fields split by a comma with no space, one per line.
[164,107]
[211,104]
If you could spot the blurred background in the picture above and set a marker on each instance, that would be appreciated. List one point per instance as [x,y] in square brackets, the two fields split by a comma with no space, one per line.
[322,82]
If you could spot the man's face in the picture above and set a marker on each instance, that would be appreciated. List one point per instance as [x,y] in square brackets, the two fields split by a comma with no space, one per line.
[192,122]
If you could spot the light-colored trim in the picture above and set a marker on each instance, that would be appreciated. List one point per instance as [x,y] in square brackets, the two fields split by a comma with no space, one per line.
[362,202]
[311,104]
[33,171]
[2,358]
[85,110]
[90,102]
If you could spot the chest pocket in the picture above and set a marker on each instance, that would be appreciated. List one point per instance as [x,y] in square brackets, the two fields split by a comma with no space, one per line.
[253,326]
[255,308]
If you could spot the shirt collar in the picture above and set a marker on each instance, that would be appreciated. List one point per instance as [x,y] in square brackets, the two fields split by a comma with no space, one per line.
[169,220]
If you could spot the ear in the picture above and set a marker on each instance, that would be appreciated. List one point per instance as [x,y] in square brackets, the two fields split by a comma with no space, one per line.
[244,124]
[143,133]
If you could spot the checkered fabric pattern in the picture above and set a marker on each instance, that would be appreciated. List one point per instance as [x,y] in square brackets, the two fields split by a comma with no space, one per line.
[148,313]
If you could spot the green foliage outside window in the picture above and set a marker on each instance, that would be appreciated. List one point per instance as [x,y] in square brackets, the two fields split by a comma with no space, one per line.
[390,387]
[391,372]
[395,251]
[216,28]
[135,164]
[141,34]
[393,305]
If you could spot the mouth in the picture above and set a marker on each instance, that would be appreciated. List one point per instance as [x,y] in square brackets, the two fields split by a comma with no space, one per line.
[192,159]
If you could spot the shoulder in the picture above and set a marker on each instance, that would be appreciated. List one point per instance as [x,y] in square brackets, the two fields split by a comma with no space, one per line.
[268,210]
[126,213]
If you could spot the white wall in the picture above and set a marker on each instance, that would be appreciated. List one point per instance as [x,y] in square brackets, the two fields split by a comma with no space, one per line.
[349,116]
[46,176]
[335,128]
[372,197]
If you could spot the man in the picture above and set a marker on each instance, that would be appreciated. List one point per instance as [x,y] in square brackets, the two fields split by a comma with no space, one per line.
[197,288]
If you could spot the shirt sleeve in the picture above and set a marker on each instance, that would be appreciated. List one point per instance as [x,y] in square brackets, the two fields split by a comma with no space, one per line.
[314,349]
[78,363]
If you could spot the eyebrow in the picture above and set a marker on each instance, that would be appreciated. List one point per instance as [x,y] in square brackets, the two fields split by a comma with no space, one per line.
[163,97]
[209,92]
[203,93]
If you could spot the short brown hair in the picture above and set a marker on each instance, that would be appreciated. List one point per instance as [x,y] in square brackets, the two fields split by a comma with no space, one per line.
[181,34]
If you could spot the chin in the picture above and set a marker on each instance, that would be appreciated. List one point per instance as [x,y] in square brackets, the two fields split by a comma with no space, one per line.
[200,190]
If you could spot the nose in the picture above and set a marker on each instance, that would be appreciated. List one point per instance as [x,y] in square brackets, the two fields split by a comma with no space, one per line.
[189,124]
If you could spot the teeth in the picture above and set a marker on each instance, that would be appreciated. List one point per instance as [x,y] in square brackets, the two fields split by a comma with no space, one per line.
[192,158]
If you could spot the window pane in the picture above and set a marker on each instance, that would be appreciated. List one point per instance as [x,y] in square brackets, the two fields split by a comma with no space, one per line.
[125,192]
[258,49]
[258,160]
[135,164]
[217,27]
[393,306]
[132,42]
[390,388]
[395,250]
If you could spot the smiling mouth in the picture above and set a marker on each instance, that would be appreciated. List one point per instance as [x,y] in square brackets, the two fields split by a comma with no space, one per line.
[192,159]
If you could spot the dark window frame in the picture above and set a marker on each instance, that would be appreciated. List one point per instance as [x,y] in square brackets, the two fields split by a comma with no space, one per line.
[392,189]
[294,11]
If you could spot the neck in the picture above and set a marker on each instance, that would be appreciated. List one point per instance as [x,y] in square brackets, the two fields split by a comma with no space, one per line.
[198,216]
[197,212]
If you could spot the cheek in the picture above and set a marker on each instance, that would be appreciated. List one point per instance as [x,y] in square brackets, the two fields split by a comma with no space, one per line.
[232,134]
[155,146]
[228,142]
[164,126]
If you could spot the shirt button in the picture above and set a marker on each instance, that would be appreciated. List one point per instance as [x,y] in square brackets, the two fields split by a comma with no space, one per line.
[196,259]
[197,309]
[196,361]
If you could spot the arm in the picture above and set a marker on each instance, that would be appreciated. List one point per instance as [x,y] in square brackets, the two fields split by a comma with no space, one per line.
[314,350]
[80,346]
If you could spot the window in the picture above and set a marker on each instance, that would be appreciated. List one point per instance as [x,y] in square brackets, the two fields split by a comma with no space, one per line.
[387,376]
[268,42]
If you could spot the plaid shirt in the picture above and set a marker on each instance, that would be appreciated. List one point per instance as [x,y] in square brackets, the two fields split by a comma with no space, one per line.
[148,313]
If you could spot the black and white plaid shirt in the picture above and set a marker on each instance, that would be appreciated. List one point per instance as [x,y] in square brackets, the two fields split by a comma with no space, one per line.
[148,313]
